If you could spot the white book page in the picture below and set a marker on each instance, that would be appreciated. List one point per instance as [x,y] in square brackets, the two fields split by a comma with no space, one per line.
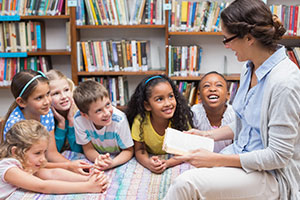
[177,142]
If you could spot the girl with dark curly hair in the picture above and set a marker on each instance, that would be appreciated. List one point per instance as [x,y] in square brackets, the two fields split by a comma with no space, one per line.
[156,105]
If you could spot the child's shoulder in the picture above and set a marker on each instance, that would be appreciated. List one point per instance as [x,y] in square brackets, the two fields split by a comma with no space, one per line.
[229,111]
[16,113]
[198,108]
[5,162]
[118,115]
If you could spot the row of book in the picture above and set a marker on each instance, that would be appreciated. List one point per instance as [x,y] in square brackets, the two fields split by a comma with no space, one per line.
[20,36]
[119,12]
[33,7]
[184,60]
[10,66]
[112,55]
[116,86]
[294,54]
[196,16]
[289,16]
[190,91]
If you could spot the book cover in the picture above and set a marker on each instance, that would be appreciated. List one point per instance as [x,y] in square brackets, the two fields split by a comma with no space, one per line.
[177,142]
[184,15]
[84,56]
[1,38]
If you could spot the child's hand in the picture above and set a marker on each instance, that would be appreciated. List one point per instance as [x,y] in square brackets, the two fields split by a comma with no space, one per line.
[71,113]
[98,181]
[103,162]
[156,165]
[80,166]
[60,119]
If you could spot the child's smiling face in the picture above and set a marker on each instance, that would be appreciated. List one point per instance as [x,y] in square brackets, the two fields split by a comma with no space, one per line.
[35,156]
[100,112]
[213,91]
[61,94]
[162,103]
[39,101]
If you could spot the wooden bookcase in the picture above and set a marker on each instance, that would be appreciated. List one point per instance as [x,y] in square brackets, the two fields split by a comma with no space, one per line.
[169,38]
[43,51]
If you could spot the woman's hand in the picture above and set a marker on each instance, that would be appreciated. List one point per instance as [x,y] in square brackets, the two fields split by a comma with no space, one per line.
[80,166]
[200,158]
[201,133]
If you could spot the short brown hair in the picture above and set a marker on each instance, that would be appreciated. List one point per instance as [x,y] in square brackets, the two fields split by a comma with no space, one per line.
[88,92]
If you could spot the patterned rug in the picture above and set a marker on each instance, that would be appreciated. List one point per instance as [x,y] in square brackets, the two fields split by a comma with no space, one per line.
[128,181]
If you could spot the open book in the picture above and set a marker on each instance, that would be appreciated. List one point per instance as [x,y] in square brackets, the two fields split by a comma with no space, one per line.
[177,142]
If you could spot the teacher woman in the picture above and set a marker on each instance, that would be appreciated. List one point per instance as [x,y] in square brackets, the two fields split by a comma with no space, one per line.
[264,160]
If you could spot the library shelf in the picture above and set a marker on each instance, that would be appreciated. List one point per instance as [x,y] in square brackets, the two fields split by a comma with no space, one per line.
[195,33]
[120,73]
[229,77]
[37,17]
[120,26]
[49,52]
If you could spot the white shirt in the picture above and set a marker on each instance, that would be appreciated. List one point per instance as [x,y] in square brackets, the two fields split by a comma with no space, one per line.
[5,188]
[202,123]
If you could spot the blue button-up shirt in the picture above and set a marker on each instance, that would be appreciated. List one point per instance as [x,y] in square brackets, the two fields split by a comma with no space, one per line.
[247,105]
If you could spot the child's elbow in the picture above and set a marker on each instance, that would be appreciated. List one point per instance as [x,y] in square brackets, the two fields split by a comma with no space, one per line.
[131,151]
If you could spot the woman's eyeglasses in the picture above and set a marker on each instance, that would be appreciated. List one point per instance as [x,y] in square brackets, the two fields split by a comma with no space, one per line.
[225,41]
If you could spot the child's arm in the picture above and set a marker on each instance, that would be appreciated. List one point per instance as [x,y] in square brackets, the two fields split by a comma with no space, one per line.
[96,183]
[105,162]
[59,161]
[122,157]
[52,154]
[60,174]
[60,137]
[60,130]
[90,152]
[153,164]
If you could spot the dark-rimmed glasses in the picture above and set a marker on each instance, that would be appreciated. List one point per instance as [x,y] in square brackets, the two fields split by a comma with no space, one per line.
[225,41]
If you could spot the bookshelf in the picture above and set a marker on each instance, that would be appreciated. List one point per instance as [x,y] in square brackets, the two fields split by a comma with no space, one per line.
[162,37]
[214,56]
[37,53]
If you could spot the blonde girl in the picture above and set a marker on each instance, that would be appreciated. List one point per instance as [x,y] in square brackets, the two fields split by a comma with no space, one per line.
[22,155]
[63,108]
[32,101]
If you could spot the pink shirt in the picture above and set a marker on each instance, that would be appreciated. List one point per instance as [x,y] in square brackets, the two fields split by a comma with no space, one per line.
[5,188]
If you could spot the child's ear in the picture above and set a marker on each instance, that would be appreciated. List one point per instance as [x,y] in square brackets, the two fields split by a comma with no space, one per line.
[21,102]
[228,96]
[13,150]
[85,115]
[147,106]
[199,97]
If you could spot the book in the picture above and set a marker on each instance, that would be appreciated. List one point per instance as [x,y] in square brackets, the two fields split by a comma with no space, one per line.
[184,15]
[177,142]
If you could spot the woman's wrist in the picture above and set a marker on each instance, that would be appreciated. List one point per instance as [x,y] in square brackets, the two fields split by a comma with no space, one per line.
[209,134]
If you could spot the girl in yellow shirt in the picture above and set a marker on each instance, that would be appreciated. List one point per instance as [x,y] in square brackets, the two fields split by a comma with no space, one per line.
[156,105]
